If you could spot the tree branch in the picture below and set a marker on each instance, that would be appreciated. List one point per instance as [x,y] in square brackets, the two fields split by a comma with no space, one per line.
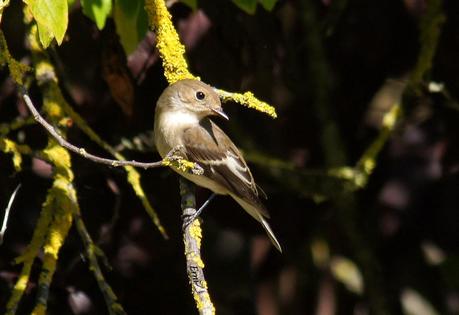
[111,300]
[81,151]
[192,235]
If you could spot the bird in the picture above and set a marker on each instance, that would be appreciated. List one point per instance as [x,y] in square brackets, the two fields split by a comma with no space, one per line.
[183,124]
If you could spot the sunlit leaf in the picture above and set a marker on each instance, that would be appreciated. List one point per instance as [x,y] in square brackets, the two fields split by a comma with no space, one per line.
[248,6]
[51,17]
[415,304]
[131,22]
[346,271]
[268,5]
[97,10]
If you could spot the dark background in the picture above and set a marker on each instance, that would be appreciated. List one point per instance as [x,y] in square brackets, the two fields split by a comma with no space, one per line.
[321,63]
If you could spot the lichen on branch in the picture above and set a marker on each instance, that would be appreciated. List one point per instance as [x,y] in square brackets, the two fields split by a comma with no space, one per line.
[172,53]
[17,69]
[249,100]
[171,50]
[192,235]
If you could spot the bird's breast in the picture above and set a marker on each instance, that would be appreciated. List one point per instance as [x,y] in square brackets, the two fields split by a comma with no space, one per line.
[169,128]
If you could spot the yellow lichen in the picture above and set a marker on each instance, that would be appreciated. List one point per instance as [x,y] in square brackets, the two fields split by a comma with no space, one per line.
[17,69]
[182,165]
[28,257]
[202,301]
[249,100]
[19,288]
[40,309]
[168,42]
[368,165]
[57,233]
[391,117]
[196,232]
[367,162]
[8,146]
[60,157]
[60,204]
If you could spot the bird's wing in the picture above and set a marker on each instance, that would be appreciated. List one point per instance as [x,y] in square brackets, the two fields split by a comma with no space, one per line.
[222,162]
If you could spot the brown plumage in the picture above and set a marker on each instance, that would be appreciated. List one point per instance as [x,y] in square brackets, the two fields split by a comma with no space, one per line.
[181,122]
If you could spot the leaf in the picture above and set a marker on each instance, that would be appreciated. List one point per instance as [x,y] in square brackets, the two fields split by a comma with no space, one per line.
[345,271]
[191,3]
[97,10]
[131,23]
[268,5]
[248,6]
[51,17]
[415,304]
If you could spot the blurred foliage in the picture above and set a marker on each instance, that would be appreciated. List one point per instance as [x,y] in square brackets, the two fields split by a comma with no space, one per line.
[360,167]
[250,6]
[131,22]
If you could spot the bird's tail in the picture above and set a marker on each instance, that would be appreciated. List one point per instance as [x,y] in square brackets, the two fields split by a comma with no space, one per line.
[270,233]
[257,215]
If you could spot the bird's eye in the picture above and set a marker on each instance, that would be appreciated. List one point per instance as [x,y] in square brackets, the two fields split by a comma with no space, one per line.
[200,95]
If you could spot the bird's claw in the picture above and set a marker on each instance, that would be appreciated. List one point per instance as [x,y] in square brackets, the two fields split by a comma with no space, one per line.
[176,159]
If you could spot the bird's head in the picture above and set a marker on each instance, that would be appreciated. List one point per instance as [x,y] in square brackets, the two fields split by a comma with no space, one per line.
[191,96]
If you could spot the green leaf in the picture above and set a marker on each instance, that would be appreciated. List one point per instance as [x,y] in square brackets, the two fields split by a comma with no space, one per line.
[191,3]
[51,17]
[131,23]
[248,6]
[268,5]
[97,10]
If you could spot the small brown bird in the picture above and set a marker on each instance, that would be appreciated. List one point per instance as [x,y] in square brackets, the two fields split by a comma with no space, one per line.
[182,123]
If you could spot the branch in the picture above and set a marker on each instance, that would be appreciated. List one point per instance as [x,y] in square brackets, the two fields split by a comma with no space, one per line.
[192,235]
[430,27]
[53,132]
[113,306]
[29,255]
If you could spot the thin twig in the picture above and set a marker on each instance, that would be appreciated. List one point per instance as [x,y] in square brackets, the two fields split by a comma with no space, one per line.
[75,149]
[111,300]
[192,235]
[7,213]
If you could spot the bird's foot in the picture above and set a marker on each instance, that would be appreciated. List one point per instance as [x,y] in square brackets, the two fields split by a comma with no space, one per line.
[188,219]
[175,158]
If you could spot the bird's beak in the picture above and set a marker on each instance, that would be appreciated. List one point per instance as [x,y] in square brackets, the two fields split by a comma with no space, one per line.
[220,113]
